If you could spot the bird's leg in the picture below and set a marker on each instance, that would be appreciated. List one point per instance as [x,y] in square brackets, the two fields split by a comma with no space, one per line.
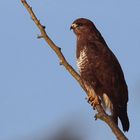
[93,100]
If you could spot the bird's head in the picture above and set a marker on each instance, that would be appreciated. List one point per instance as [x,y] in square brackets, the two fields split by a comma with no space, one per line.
[82,26]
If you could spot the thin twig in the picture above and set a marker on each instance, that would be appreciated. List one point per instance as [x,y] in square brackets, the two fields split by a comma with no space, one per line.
[101,113]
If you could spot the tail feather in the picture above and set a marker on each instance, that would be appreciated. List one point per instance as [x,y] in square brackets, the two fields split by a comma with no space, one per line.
[121,112]
[124,118]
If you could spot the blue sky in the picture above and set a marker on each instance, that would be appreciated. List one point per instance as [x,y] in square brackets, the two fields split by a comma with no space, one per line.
[39,98]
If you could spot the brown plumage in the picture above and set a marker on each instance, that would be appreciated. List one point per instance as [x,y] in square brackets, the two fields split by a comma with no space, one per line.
[100,70]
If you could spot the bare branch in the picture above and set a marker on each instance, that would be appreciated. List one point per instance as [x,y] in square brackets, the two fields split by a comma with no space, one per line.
[101,113]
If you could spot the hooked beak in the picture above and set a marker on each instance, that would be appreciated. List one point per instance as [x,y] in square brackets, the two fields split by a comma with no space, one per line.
[73,26]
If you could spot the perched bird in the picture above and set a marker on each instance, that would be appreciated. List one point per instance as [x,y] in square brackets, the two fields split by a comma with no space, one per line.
[100,70]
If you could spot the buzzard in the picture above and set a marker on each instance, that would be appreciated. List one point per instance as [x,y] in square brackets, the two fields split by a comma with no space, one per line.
[100,70]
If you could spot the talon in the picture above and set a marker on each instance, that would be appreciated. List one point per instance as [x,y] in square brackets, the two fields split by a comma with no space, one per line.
[95,117]
[93,108]
[93,101]
[90,99]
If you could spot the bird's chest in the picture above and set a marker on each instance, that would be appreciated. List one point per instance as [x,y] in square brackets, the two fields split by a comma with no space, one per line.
[82,60]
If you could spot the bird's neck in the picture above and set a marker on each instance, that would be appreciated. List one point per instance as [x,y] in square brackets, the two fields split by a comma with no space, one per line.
[82,40]
[81,43]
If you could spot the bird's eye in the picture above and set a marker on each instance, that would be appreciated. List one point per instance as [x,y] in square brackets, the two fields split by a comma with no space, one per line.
[80,24]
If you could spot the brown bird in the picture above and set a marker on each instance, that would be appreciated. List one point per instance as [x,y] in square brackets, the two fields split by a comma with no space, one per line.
[100,70]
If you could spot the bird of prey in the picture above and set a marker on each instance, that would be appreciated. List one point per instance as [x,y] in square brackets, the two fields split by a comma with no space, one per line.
[100,70]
